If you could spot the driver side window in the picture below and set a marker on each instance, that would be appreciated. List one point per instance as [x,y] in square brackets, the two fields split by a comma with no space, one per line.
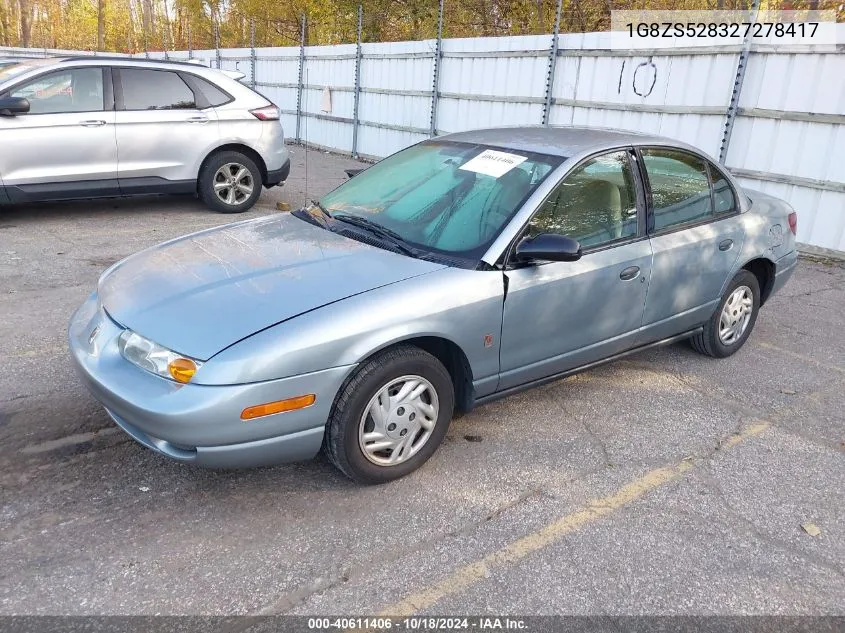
[72,90]
[596,204]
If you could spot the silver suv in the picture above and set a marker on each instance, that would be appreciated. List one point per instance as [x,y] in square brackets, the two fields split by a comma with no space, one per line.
[85,127]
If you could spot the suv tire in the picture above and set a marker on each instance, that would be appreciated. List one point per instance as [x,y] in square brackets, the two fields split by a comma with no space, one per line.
[230,182]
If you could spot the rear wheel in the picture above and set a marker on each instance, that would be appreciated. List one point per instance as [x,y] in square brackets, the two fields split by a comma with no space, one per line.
[390,416]
[732,322]
[230,182]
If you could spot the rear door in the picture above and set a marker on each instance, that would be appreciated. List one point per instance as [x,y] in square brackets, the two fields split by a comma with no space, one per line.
[65,146]
[696,234]
[162,132]
[560,315]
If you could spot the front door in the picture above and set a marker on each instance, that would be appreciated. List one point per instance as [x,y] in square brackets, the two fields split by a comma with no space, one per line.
[560,315]
[64,147]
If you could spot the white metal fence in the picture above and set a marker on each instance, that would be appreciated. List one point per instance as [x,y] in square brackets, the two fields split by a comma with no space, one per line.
[788,124]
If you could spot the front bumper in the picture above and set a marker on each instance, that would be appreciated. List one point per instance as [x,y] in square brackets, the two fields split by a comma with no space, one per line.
[197,423]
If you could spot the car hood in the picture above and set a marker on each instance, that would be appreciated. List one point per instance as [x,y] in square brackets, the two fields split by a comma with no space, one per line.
[203,292]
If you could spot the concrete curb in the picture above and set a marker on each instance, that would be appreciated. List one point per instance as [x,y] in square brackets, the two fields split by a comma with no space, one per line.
[817,252]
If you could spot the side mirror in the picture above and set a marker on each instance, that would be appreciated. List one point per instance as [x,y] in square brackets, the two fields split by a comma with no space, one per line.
[549,247]
[10,106]
[351,173]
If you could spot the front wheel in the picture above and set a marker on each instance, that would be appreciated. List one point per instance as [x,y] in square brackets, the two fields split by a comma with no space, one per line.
[230,182]
[391,416]
[732,322]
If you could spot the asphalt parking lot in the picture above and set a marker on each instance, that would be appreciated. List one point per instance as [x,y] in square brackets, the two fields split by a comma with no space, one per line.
[666,483]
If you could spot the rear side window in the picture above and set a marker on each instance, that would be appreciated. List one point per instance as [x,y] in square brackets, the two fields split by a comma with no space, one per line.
[724,200]
[155,90]
[212,94]
[680,187]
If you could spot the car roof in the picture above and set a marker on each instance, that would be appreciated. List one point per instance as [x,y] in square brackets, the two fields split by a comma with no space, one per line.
[557,141]
[31,61]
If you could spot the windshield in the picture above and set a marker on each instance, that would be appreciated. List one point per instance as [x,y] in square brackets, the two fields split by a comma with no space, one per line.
[443,196]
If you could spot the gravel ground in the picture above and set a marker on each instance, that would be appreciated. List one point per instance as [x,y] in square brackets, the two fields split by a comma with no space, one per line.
[667,483]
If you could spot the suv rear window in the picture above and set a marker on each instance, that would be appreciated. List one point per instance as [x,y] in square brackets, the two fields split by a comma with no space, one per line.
[155,90]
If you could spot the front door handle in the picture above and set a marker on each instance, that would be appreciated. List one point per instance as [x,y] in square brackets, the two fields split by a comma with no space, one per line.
[197,119]
[629,273]
[725,245]
[92,123]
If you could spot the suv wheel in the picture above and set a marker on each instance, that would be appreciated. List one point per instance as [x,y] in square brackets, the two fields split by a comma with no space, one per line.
[230,182]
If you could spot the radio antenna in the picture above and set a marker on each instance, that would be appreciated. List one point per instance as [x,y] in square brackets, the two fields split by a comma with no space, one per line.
[305,135]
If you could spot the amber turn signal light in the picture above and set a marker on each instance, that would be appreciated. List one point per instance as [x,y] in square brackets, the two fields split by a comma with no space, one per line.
[182,369]
[279,406]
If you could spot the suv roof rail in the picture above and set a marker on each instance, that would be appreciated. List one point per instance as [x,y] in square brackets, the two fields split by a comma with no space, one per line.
[113,58]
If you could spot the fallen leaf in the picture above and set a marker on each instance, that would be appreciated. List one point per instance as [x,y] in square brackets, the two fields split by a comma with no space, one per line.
[283,206]
[811,529]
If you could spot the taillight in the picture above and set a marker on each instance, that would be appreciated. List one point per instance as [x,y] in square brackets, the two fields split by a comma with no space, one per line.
[793,223]
[267,113]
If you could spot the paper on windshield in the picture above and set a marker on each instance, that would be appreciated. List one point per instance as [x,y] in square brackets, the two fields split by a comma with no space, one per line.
[491,162]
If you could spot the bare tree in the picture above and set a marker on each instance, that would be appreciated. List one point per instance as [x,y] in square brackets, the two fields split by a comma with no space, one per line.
[130,31]
[101,25]
[147,18]
[26,22]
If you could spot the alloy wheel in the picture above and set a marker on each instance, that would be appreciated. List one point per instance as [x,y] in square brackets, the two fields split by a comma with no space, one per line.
[233,184]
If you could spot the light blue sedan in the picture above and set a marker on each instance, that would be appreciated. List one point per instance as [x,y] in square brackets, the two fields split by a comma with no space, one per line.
[456,271]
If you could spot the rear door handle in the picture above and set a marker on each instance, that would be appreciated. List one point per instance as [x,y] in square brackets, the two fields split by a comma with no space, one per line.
[629,273]
[92,123]
[725,245]
[197,119]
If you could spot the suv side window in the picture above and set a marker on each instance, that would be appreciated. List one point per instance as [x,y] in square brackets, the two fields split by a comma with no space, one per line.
[145,89]
[65,91]
[595,204]
[680,187]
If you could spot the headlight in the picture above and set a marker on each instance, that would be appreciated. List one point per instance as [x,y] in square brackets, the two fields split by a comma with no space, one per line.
[156,359]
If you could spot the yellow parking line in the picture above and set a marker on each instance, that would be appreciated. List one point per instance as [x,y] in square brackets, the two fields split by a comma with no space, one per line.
[466,576]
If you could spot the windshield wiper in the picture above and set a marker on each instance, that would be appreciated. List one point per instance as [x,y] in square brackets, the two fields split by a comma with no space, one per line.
[308,214]
[320,206]
[377,229]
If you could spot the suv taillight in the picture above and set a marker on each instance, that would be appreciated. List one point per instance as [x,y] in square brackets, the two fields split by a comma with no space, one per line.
[793,223]
[267,113]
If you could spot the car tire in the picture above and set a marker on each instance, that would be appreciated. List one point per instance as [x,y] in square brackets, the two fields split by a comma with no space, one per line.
[374,387]
[732,322]
[236,170]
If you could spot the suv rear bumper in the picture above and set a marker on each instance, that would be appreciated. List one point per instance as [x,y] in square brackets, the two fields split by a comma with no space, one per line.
[278,176]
